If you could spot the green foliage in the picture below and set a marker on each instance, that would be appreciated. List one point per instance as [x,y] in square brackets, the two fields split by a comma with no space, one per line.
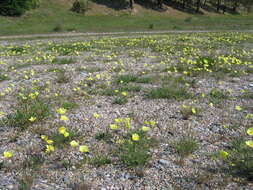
[24,111]
[169,92]
[80,6]
[120,100]
[186,146]
[17,7]
[62,77]
[99,160]
[60,140]
[63,61]
[216,96]
[240,159]
[135,154]
[69,105]
[126,78]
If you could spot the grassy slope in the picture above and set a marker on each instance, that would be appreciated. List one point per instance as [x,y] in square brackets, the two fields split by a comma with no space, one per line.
[102,19]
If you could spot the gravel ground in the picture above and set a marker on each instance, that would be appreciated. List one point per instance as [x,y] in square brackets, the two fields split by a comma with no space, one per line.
[27,64]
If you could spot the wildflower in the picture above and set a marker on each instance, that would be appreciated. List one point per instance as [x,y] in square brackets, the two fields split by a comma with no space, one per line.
[62,130]
[66,134]
[135,137]
[32,119]
[84,148]
[114,126]
[124,93]
[223,154]
[118,120]
[238,108]
[194,111]
[96,115]
[7,154]
[74,143]
[248,116]
[64,118]
[61,111]
[44,137]
[249,143]
[49,141]
[145,129]
[250,131]
[50,148]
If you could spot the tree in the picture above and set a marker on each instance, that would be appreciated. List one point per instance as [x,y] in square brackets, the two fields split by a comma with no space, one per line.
[16,7]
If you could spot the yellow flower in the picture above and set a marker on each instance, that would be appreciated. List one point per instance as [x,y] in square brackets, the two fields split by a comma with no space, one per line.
[124,93]
[32,119]
[49,141]
[118,120]
[62,130]
[96,115]
[61,111]
[84,148]
[145,129]
[223,154]
[114,126]
[44,137]
[238,108]
[50,148]
[74,143]
[8,154]
[135,137]
[64,118]
[250,131]
[248,116]
[249,143]
[194,111]
[66,134]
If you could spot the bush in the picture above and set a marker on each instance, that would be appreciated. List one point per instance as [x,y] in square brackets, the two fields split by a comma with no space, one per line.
[17,7]
[80,6]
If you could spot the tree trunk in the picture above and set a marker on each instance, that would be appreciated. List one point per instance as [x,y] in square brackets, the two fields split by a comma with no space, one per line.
[131,3]
[235,5]
[198,6]
[218,5]
[160,4]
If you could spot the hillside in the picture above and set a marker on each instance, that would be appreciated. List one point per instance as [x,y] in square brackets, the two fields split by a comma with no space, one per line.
[55,16]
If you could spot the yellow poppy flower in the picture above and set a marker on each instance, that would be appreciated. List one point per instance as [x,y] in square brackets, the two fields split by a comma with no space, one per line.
[249,143]
[250,131]
[64,118]
[7,154]
[84,148]
[32,119]
[74,143]
[135,137]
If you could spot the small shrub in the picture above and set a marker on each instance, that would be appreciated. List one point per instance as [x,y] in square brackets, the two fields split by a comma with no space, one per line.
[80,6]
[58,28]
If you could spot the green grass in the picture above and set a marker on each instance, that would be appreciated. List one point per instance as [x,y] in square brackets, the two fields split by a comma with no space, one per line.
[63,61]
[24,111]
[50,14]
[169,92]
[186,146]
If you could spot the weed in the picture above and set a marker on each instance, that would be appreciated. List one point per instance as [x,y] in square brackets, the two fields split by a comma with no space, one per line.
[69,105]
[186,146]
[120,100]
[216,96]
[166,92]
[20,118]
[62,77]
[100,160]
[126,78]
[63,61]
